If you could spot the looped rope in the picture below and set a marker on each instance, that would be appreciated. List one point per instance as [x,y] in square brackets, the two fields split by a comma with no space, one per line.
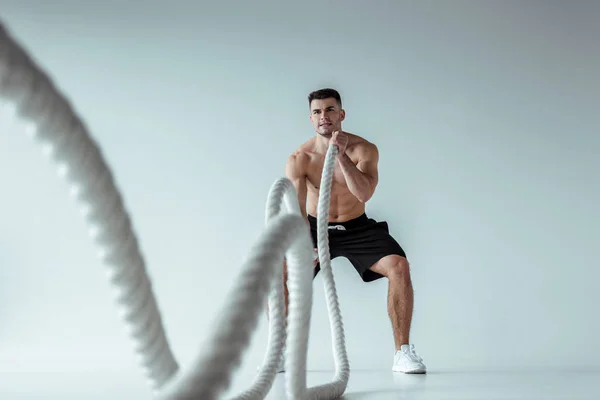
[59,128]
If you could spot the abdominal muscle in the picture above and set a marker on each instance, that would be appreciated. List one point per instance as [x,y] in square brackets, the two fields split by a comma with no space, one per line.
[343,207]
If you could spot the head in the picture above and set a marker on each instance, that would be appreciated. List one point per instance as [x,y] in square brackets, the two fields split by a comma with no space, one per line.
[326,112]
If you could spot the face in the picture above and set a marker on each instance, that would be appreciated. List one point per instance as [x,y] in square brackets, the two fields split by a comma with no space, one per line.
[326,116]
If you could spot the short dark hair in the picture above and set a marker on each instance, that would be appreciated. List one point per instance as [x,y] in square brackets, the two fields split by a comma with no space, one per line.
[323,94]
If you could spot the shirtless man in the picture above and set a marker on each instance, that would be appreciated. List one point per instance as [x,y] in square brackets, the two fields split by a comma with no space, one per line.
[366,243]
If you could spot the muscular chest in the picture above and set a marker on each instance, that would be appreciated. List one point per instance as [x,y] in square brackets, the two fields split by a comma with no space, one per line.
[316,172]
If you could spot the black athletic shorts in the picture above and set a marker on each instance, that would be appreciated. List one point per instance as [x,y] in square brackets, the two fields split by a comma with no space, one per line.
[362,240]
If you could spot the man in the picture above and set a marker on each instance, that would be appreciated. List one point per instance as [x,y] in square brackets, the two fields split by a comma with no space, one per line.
[365,242]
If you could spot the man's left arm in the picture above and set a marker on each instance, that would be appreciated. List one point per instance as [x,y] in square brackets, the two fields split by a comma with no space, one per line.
[363,177]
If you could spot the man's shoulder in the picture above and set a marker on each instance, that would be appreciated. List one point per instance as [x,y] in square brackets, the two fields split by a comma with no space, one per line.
[299,160]
[303,153]
[361,146]
[298,157]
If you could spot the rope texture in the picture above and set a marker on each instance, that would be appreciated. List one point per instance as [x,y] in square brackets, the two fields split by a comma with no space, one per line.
[69,144]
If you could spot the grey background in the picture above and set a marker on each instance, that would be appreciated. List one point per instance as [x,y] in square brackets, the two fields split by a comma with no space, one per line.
[485,114]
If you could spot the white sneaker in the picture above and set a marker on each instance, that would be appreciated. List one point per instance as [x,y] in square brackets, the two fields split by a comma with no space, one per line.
[407,361]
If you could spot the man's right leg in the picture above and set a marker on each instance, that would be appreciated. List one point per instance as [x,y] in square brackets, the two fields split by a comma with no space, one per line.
[285,291]
[281,366]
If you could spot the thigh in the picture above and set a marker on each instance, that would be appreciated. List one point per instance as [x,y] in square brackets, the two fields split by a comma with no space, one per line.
[367,247]
[334,248]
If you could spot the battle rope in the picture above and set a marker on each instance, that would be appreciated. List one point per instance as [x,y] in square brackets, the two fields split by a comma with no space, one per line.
[67,141]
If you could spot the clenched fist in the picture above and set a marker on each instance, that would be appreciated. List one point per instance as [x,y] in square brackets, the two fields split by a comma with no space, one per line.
[339,139]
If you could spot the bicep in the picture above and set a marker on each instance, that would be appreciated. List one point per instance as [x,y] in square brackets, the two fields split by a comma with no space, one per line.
[368,165]
[296,173]
[302,190]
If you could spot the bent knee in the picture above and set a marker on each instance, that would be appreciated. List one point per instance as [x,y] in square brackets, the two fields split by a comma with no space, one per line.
[396,267]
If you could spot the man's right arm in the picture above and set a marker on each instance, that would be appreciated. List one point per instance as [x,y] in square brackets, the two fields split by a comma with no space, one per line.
[296,171]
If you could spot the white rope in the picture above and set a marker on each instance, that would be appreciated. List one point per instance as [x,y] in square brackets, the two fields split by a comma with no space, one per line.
[81,163]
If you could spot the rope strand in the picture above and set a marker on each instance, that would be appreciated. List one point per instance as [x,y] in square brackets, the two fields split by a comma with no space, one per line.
[79,159]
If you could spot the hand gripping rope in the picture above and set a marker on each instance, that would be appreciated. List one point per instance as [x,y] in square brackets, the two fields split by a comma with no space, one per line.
[67,142]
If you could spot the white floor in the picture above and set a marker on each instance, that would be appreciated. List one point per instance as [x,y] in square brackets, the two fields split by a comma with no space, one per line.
[463,385]
[372,385]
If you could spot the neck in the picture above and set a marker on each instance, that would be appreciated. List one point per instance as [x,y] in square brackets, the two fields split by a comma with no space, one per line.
[322,143]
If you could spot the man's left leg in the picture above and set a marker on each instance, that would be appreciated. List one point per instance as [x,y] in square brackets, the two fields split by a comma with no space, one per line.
[396,269]
[400,295]
[400,300]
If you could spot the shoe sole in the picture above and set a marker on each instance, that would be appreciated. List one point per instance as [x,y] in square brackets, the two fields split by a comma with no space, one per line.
[412,372]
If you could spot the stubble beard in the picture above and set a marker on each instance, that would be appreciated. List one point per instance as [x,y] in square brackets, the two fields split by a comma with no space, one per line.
[328,134]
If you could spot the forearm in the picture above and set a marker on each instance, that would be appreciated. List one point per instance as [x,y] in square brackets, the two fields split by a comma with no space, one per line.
[302,200]
[358,183]
[305,215]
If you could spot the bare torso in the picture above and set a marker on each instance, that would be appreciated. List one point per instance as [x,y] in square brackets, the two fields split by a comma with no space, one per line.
[344,205]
